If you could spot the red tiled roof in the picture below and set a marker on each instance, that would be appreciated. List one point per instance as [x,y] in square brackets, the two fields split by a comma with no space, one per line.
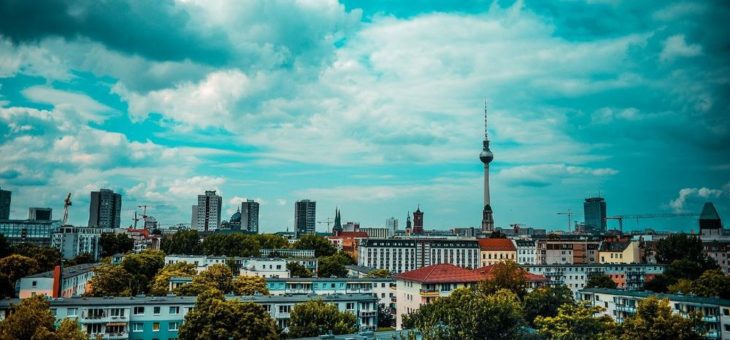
[441,273]
[350,234]
[496,244]
[486,273]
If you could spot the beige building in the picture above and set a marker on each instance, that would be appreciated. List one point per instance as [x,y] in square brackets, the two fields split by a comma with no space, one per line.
[620,252]
[495,250]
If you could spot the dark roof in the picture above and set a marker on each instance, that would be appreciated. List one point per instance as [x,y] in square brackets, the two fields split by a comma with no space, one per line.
[615,246]
[68,271]
[709,218]
[525,243]
[673,297]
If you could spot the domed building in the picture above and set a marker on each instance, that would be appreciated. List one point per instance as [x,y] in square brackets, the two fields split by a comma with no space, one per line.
[235,221]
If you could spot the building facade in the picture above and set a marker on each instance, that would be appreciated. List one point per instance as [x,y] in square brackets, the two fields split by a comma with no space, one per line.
[620,252]
[5,198]
[105,208]
[286,252]
[495,250]
[720,252]
[575,276]
[69,282]
[620,304]
[401,255]
[22,231]
[207,213]
[250,216]
[72,241]
[40,214]
[526,252]
[567,250]
[382,288]
[305,217]
[148,318]
[594,211]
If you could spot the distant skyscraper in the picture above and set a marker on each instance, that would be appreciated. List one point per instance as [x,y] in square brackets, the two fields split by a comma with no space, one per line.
[207,214]
[486,157]
[5,196]
[418,222]
[710,222]
[40,214]
[104,209]
[337,228]
[392,225]
[250,216]
[594,212]
[305,217]
[408,223]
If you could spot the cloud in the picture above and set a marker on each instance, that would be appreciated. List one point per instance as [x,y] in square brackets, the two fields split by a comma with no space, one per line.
[687,194]
[542,175]
[89,109]
[676,46]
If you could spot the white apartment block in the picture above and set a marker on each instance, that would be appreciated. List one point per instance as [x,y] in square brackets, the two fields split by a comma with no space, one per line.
[401,255]
[620,304]
[526,252]
[575,276]
[382,288]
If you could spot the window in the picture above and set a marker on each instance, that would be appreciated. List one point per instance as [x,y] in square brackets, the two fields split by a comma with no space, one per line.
[138,310]
[174,326]
[350,305]
[174,310]
[156,327]
[137,327]
[156,310]
[75,311]
[35,283]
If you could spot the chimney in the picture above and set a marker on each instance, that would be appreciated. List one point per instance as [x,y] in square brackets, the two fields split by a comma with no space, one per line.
[57,277]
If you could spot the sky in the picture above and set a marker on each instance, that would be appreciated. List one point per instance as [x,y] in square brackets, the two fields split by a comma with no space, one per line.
[375,107]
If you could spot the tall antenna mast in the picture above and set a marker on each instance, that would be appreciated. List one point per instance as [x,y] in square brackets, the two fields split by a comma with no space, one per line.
[485,118]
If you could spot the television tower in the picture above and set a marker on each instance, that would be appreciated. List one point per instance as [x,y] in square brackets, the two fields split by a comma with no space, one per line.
[486,157]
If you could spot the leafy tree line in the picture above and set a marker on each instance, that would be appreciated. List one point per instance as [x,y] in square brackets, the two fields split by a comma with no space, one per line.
[21,260]
[500,308]
[247,245]
[689,270]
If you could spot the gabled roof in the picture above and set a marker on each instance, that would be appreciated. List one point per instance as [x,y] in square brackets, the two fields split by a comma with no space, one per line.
[615,246]
[496,244]
[440,273]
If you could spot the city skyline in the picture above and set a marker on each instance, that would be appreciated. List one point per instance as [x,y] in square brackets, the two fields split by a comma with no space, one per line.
[348,112]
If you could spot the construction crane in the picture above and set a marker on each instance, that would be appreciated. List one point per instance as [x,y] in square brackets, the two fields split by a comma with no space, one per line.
[144,210]
[66,204]
[328,222]
[570,216]
[621,218]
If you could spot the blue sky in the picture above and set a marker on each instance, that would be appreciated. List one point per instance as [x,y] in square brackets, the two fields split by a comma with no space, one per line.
[372,106]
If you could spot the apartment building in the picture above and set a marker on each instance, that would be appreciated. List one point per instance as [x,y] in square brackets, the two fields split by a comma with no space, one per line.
[619,252]
[148,318]
[567,250]
[720,252]
[575,276]
[401,255]
[526,251]
[286,252]
[495,250]
[382,288]
[256,266]
[620,304]
[71,281]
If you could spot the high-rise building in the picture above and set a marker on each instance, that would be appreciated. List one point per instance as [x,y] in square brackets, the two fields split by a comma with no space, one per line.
[305,217]
[594,211]
[5,196]
[40,214]
[710,222]
[392,225]
[418,222]
[207,214]
[104,209]
[486,157]
[250,216]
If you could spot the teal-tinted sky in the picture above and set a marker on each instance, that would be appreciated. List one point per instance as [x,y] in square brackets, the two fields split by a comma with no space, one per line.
[372,106]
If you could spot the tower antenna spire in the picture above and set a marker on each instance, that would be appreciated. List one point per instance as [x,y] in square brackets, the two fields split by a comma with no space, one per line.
[485,119]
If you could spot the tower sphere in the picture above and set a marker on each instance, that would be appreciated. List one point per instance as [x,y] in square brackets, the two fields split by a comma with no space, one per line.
[486,156]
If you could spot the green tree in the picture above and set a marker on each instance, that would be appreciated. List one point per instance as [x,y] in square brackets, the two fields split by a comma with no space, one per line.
[29,318]
[79,259]
[681,246]
[600,281]
[469,314]
[379,273]
[575,321]
[143,267]
[654,320]
[505,275]
[217,276]
[12,268]
[214,318]
[112,280]
[385,316]
[69,329]
[712,282]
[320,245]
[230,245]
[545,301]
[331,266]
[47,257]
[682,286]
[250,285]
[161,282]
[115,243]
[297,270]
[272,241]
[659,284]
[315,317]
[182,242]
